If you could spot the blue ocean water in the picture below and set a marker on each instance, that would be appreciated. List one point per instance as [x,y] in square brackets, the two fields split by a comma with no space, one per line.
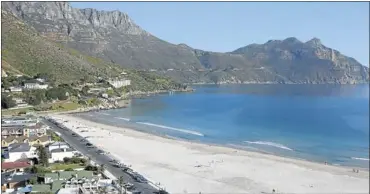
[313,122]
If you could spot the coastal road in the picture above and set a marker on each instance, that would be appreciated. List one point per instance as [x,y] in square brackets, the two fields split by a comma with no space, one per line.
[75,142]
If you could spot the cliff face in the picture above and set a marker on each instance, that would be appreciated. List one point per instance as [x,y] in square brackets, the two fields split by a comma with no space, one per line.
[114,37]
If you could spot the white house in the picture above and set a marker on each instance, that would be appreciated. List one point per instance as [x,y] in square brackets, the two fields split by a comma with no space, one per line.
[15,89]
[18,151]
[40,80]
[60,153]
[33,86]
[119,83]
[58,145]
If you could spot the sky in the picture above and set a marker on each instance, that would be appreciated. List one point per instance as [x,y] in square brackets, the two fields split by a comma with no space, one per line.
[226,26]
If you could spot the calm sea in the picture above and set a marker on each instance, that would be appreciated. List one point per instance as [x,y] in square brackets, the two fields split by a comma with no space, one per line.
[312,122]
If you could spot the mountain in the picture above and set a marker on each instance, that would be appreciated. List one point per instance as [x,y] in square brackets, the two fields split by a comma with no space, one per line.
[115,38]
[25,52]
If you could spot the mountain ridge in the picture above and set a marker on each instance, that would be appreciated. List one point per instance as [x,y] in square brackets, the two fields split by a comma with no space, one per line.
[114,37]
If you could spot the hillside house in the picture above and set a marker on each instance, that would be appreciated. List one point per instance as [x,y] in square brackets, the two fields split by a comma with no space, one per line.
[35,86]
[60,153]
[58,145]
[14,166]
[119,83]
[18,151]
[12,181]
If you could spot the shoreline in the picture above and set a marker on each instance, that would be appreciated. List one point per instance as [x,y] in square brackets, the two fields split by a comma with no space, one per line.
[213,150]
[231,146]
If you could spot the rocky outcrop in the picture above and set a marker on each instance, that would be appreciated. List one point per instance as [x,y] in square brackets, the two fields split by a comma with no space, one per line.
[114,37]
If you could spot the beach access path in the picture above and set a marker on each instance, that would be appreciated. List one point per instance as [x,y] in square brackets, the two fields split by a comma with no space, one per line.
[99,159]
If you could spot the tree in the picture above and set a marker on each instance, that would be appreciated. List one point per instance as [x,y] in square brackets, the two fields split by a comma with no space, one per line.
[121,183]
[33,180]
[84,90]
[43,156]
[7,101]
[101,168]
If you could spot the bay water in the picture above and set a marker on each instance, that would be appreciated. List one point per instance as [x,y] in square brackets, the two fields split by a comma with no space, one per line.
[321,123]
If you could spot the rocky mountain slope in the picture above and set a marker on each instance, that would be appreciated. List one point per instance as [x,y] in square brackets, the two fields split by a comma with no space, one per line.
[24,51]
[114,37]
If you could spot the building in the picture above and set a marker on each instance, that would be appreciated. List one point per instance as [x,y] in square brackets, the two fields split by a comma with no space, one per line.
[19,151]
[35,86]
[67,175]
[40,80]
[14,166]
[11,181]
[119,83]
[25,120]
[21,130]
[15,89]
[58,145]
[31,140]
[60,153]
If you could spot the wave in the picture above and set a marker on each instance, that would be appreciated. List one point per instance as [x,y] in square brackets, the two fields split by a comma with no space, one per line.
[122,118]
[354,158]
[270,144]
[172,128]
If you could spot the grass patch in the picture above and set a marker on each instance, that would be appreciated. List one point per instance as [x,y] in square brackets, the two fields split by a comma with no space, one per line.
[17,111]
[61,166]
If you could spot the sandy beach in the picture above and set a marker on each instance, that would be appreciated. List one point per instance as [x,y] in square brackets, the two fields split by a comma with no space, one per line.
[187,167]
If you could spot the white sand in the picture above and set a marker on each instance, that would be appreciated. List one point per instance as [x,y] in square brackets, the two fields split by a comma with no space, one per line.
[185,167]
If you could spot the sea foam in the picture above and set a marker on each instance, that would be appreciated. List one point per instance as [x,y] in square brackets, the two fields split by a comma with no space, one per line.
[269,144]
[172,128]
[122,118]
[354,158]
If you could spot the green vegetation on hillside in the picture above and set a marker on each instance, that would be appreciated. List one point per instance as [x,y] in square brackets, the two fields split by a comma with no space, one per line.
[25,51]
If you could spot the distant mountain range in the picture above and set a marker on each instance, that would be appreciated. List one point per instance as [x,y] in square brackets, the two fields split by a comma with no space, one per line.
[113,37]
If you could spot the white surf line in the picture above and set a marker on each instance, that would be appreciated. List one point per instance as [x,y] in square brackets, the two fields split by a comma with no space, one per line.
[122,118]
[172,128]
[269,144]
[355,158]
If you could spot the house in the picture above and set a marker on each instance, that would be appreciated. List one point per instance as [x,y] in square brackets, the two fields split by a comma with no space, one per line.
[15,89]
[11,181]
[119,83]
[33,140]
[40,80]
[35,86]
[67,175]
[57,145]
[23,130]
[60,153]
[24,120]
[14,166]
[18,151]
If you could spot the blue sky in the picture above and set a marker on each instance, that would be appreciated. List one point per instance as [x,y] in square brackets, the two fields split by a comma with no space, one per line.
[226,26]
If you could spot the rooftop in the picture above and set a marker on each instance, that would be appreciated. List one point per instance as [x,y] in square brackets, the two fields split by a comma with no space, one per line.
[41,188]
[69,174]
[58,150]
[58,143]
[19,147]
[14,165]
[14,178]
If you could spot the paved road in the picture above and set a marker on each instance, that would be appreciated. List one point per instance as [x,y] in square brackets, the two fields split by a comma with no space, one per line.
[100,159]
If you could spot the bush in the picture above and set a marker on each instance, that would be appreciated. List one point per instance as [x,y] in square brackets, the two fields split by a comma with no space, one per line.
[91,168]
[69,169]
[66,160]
[7,101]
